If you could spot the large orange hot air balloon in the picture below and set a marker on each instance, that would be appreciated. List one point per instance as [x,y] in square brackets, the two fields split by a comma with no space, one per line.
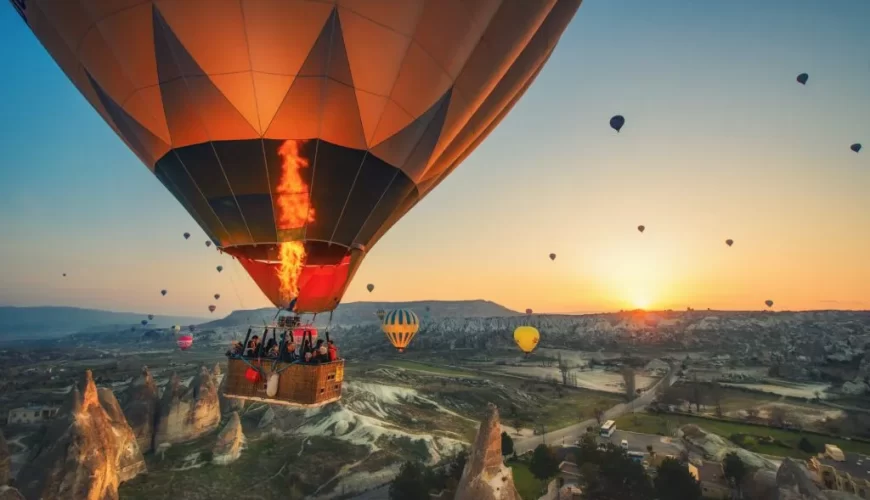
[296,133]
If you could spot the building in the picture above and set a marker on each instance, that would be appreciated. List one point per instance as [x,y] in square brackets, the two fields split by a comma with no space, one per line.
[714,485]
[31,415]
[847,472]
[566,486]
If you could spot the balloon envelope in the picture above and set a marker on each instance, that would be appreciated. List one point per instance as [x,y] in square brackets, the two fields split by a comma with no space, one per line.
[729,242]
[370,287]
[769,303]
[217,296]
[552,256]
[229,118]
[150,316]
[211,308]
[144,322]
[64,275]
[381,313]
[176,328]
[208,243]
[617,122]
[802,78]
[528,311]
[219,268]
[191,328]
[186,235]
[855,147]
[527,338]
[400,326]
[641,228]
[184,342]
[162,292]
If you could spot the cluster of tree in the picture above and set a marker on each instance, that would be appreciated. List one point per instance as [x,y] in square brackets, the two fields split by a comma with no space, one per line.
[609,474]
[415,480]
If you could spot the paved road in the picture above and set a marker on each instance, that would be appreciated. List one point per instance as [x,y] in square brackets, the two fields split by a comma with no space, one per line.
[570,434]
[639,442]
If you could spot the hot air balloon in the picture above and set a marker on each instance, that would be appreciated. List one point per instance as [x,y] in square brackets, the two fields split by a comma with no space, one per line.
[217,296]
[370,287]
[211,308]
[802,78]
[184,342]
[729,242]
[191,328]
[64,275]
[227,106]
[144,322]
[855,147]
[552,256]
[617,122]
[400,326]
[769,303]
[186,235]
[527,338]
[207,243]
[163,292]
[528,311]
[381,313]
[641,228]
[150,316]
[219,268]
[176,328]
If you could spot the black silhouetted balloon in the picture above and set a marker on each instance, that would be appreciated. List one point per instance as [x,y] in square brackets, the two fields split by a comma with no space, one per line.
[552,256]
[855,147]
[163,292]
[186,235]
[217,296]
[208,243]
[219,268]
[641,228]
[729,242]
[802,78]
[617,122]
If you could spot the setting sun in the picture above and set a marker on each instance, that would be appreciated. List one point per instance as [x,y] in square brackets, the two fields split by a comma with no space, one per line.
[641,302]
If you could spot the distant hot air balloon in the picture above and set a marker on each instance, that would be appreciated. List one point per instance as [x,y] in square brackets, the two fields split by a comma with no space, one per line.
[400,326]
[224,123]
[186,235]
[144,322]
[370,287]
[208,243]
[802,78]
[211,308]
[641,228]
[855,147]
[217,296]
[552,256]
[219,268]
[381,313]
[527,338]
[528,311]
[769,303]
[150,316]
[64,275]
[729,242]
[163,292]
[184,342]
[617,122]
[191,328]
[176,328]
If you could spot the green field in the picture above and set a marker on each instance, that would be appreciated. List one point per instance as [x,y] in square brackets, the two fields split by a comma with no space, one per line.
[422,367]
[528,486]
[787,441]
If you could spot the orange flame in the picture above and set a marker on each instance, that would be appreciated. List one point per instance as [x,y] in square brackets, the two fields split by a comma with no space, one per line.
[293,212]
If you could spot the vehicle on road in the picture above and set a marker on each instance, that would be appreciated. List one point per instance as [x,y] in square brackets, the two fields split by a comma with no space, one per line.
[624,444]
[608,428]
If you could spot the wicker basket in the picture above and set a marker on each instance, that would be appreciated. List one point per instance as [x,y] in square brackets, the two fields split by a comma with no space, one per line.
[299,384]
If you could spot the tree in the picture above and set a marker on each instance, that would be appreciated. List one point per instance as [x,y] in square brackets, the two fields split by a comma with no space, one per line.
[410,484]
[806,446]
[716,397]
[457,465]
[675,482]
[734,470]
[778,416]
[507,444]
[544,463]
[598,415]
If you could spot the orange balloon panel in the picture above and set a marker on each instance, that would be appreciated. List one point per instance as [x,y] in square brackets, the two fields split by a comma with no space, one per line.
[275,121]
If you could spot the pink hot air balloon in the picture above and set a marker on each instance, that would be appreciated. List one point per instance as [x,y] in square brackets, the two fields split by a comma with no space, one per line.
[211,308]
[184,342]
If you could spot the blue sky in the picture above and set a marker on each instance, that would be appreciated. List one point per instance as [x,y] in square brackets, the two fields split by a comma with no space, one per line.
[720,142]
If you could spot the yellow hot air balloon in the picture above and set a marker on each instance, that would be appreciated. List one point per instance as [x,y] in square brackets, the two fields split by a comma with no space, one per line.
[527,338]
[400,326]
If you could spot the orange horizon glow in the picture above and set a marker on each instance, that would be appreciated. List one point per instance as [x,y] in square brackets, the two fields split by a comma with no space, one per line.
[294,211]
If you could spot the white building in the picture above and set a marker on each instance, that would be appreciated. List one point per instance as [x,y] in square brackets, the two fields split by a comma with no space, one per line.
[31,415]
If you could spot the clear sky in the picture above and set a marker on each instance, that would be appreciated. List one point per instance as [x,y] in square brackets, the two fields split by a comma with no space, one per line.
[720,142]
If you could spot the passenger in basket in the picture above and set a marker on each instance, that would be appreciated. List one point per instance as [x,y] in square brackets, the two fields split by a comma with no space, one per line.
[271,350]
[235,349]
[309,359]
[289,355]
[322,353]
[253,349]
[332,351]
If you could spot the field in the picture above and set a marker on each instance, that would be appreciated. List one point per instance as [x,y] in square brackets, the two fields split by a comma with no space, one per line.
[423,367]
[786,442]
[528,486]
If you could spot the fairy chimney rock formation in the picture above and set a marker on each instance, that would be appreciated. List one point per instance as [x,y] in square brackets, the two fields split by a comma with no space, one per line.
[485,476]
[141,409]
[86,452]
[187,413]
[8,493]
[228,447]
[228,405]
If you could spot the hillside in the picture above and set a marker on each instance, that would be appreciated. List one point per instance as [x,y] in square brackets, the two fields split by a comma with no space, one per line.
[18,323]
[355,313]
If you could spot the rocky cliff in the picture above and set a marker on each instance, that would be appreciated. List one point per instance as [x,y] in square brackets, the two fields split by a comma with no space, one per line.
[485,476]
[141,409]
[5,461]
[230,441]
[86,452]
[186,413]
[228,405]
[7,493]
